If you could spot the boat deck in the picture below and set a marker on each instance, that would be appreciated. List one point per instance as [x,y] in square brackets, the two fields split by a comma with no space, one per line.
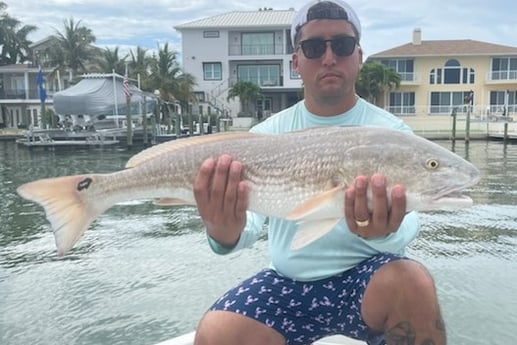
[188,339]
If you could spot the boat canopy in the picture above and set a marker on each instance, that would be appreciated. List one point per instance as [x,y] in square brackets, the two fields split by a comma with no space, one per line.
[101,94]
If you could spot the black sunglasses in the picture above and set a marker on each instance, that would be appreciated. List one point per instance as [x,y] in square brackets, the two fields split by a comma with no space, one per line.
[314,48]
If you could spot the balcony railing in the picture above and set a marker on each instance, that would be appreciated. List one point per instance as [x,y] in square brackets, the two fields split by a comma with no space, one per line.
[255,49]
[502,76]
[408,76]
[20,94]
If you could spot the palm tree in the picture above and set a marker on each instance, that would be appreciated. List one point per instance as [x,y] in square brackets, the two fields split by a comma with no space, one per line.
[375,80]
[110,61]
[172,83]
[13,39]
[139,65]
[247,92]
[72,49]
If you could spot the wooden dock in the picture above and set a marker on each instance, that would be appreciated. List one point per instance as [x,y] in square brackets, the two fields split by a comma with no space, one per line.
[46,141]
[65,143]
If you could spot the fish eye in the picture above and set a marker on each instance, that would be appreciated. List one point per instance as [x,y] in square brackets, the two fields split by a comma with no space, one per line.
[432,163]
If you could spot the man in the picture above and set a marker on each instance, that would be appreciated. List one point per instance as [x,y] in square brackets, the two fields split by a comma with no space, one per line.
[354,280]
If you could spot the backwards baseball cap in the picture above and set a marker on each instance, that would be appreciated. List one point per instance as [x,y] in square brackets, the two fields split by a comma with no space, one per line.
[324,9]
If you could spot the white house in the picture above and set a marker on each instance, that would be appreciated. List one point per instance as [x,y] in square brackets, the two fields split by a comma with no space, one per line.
[241,45]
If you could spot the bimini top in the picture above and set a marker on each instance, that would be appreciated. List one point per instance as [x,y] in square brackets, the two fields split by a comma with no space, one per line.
[99,94]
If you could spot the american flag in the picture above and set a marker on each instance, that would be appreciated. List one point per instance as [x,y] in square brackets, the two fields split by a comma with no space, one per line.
[125,86]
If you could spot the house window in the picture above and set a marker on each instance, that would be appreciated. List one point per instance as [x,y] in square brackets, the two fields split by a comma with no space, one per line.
[212,71]
[446,102]
[211,34]
[504,68]
[289,44]
[402,103]
[452,73]
[468,76]
[404,67]
[258,43]
[503,102]
[262,75]
[293,73]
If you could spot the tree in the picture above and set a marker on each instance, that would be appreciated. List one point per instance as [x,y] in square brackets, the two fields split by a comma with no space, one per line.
[13,39]
[375,80]
[110,61]
[72,49]
[140,64]
[247,92]
[173,84]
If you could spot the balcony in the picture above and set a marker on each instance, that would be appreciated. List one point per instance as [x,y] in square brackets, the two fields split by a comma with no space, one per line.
[255,49]
[502,76]
[22,95]
[408,78]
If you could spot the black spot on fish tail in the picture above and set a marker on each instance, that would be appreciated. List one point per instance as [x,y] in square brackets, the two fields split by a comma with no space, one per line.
[84,184]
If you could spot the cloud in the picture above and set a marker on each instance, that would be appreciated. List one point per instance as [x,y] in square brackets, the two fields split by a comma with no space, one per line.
[134,23]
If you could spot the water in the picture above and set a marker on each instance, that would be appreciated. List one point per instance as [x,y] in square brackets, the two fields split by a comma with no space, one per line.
[143,274]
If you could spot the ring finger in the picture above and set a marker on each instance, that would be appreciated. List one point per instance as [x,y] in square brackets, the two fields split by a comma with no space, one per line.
[361,214]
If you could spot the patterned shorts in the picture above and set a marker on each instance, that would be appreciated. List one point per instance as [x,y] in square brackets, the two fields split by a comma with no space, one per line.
[304,312]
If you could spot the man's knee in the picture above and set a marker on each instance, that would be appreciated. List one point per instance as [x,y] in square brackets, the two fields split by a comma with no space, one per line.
[223,327]
[397,285]
[403,276]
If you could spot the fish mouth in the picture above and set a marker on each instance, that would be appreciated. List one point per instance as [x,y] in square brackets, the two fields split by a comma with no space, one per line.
[454,197]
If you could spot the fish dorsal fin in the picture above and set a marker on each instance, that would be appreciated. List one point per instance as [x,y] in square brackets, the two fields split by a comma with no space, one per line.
[179,144]
[328,204]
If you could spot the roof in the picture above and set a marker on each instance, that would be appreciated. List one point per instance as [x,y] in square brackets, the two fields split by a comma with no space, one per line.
[447,47]
[242,19]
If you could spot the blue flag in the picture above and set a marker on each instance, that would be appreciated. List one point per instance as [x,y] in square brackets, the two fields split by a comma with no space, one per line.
[41,86]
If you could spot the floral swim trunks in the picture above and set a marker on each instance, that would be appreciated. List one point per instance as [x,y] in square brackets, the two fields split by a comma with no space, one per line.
[305,311]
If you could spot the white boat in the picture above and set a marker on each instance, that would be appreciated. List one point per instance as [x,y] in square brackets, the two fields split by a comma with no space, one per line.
[188,339]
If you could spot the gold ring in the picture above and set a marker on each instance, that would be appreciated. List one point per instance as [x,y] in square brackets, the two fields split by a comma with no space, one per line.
[362,223]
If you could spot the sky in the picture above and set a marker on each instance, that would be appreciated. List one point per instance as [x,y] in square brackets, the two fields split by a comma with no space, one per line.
[386,24]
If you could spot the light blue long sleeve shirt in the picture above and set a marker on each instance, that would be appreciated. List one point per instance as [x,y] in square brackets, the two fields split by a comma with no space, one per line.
[340,249]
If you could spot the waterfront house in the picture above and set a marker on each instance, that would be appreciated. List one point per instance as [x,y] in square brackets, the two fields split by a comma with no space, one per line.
[20,103]
[439,76]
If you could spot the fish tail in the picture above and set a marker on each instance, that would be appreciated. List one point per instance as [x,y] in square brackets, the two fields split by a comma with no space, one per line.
[68,212]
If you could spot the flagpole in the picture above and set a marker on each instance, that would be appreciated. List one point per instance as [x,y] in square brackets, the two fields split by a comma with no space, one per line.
[115,96]
[127,92]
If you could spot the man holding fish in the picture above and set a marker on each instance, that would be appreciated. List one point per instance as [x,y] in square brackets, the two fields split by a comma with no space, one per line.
[353,280]
[339,217]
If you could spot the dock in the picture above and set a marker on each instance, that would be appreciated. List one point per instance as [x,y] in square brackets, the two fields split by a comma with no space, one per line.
[44,140]
[500,136]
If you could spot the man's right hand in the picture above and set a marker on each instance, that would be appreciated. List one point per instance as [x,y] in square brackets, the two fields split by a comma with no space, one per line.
[222,199]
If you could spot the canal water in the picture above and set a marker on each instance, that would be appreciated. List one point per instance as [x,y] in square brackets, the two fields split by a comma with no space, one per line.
[143,274]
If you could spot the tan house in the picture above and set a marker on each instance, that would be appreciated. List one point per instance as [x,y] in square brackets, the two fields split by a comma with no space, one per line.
[440,76]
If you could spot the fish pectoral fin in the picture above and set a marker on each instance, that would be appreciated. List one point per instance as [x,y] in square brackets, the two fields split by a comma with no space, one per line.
[310,231]
[171,202]
[326,205]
